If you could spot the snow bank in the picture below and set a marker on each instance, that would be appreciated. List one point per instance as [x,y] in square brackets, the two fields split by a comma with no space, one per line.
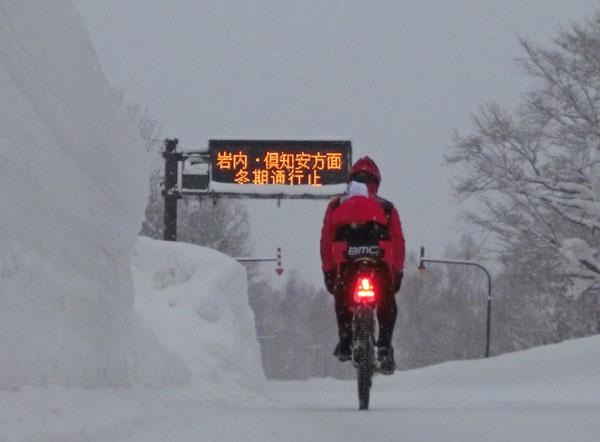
[195,299]
[73,181]
[567,371]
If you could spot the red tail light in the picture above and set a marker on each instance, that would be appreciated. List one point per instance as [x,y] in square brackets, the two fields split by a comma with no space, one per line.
[365,291]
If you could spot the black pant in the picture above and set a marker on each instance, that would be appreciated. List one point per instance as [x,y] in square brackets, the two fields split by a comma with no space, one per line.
[387,311]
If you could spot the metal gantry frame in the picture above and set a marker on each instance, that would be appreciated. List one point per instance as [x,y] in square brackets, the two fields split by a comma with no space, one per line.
[173,189]
[489,295]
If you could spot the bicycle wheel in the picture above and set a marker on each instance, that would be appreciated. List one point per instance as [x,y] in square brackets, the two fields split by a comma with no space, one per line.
[364,357]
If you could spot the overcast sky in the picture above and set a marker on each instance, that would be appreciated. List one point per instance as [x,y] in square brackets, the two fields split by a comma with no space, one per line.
[394,77]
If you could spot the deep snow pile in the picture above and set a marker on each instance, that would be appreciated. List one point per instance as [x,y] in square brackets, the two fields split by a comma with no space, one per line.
[195,300]
[73,179]
[567,372]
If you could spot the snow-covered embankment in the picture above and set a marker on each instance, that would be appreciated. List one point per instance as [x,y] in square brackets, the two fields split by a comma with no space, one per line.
[195,300]
[73,186]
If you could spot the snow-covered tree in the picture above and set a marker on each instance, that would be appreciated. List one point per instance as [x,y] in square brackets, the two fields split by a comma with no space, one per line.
[536,170]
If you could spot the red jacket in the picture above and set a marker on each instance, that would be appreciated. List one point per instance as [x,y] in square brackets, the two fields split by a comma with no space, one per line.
[359,210]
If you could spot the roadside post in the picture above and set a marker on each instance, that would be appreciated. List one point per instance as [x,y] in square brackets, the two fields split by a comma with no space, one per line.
[489,295]
[278,270]
[170,193]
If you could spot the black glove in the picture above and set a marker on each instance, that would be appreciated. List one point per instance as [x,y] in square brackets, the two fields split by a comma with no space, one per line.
[398,280]
[330,280]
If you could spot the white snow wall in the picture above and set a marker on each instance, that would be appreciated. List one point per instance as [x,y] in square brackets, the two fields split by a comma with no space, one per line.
[195,300]
[73,185]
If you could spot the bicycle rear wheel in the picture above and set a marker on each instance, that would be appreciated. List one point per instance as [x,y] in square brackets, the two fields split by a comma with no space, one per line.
[364,357]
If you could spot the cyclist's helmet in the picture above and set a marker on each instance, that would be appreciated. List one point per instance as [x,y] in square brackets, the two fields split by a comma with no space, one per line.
[365,171]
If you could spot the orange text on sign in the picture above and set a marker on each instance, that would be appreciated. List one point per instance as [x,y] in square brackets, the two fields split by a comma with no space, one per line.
[293,169]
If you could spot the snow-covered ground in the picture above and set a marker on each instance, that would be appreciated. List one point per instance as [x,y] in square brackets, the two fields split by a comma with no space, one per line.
[194,301]
[542,395]
[97,346]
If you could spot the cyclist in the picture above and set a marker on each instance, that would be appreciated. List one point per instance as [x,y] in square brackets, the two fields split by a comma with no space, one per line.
[360,223]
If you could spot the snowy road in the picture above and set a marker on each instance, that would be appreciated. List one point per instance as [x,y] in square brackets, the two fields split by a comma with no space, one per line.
[450,402]
[409,414]
[325,410]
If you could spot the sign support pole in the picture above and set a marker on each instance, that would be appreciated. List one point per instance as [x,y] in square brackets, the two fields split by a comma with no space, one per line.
[169,192]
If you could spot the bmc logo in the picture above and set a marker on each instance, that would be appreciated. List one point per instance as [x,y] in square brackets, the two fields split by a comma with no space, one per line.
[363,250]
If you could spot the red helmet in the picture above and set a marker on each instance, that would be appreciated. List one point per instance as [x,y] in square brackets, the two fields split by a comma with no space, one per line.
[365,166]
